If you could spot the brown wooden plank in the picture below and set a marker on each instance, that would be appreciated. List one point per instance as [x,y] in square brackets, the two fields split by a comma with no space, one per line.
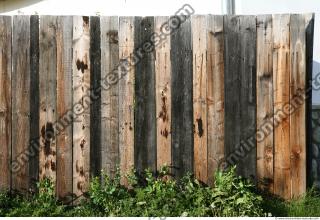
[182,107]
[200,79]
[109,95]
[297,92]
[47,94]
[81,102]
[264,103]
[5,102]
[64,104]
[215,94]
[145,103]
[281,76]
[126,95]
[20,102]
[163,96]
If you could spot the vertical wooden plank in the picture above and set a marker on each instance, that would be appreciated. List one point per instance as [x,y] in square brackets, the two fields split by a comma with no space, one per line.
[145,106]
[309,62]
[95,110]
[215,94]
[200,78]
[20,102]
[126,95]
[163,96]
[47,94]
[264,102]
[34,103]
[109,95]
[281,76]
[81,102]
[297,92]
[182,111]
[64,104]
[5,102]
[247,164]
[232,84]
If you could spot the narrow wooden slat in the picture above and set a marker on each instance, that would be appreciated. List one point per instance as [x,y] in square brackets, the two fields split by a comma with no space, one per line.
[47,92]
[309,62]
[215,94]
[200,79]
[126,95]
[181,86]
[34,103]
[281,76]
[95,110]
[297,92]
[5,102]
[20,102]
[163,96]
[109,95]
[145,106]
[64,105]
[264,103]
[81,102]
[232,86]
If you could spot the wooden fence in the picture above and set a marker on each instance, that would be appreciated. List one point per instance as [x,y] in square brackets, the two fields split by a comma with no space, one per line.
[84,94]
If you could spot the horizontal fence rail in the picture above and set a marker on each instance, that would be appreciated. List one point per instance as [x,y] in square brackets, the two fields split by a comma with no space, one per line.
[83,94]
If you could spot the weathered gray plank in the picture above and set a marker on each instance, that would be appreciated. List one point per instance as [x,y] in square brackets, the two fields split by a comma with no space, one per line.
[64,106]
[264,103]
[5,102]
[20,102]
[145,106]
[95,110]
[182,111]
[109,95]
[81,101]
[47,94]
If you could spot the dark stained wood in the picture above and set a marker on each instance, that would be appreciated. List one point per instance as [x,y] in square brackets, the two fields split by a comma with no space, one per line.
[81,101]
[95,111]
[247,71]
[215,94]
[109,95]
[20,102]
[5,102]
[64,105]
[264,103]
[47,94]
[297,93]
[145,105]
[281,95]
[182,111]
[34,102]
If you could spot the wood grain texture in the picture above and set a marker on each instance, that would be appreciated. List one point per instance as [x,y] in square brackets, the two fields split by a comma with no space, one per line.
[215,94]
[64,104]
[34,103]
[281,77]
[297,101]
[47,94]
[264,102]
[126,95]
[163,96]
[145,105]
[95,108]
[109,95]
[182,111]
[5,102]
[200,79]
[20,102]
[81,102]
